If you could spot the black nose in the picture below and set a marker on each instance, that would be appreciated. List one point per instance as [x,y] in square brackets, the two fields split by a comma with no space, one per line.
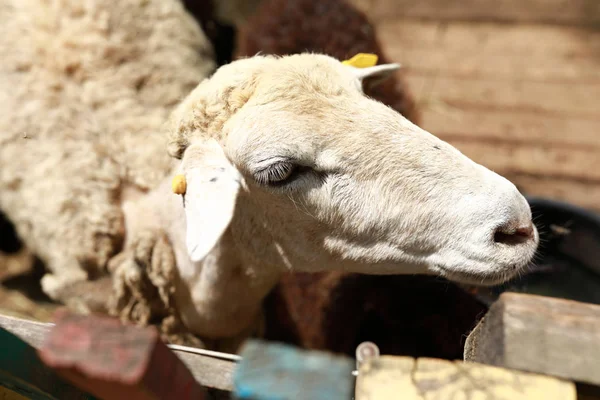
[510,235]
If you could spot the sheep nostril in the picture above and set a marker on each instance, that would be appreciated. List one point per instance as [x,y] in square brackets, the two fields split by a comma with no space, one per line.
[507,234]
[525,231]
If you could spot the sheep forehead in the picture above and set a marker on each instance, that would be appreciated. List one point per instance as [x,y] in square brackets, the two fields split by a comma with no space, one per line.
[288,78]
[315,95]
[304,83]
[308,77]
[304,94]
[303,63]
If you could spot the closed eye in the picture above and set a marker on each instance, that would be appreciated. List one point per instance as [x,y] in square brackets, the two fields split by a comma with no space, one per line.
[280,173]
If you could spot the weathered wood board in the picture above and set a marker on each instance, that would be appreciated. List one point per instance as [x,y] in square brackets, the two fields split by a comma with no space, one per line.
[117,361]
[208,371]
[391,378]
[270,370]
[568,12]
[539,334]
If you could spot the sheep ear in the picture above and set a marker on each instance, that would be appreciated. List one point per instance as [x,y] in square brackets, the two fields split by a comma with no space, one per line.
[375,74]
[364,67]
[212,184]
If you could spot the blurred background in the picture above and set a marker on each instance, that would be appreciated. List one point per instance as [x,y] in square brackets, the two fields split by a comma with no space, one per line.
[513,84]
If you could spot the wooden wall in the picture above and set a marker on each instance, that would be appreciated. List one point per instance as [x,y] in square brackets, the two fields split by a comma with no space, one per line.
[514,84]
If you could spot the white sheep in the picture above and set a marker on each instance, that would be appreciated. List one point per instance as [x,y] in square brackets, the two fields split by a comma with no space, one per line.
[289,166]
[85,88]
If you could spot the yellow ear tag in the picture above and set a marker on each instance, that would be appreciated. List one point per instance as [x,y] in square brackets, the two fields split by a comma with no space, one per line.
[362,60]
[178,184]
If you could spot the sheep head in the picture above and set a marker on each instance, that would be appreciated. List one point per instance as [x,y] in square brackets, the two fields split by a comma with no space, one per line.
[305,171]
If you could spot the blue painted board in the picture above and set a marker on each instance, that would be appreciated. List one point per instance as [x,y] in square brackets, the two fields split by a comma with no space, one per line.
[274,371]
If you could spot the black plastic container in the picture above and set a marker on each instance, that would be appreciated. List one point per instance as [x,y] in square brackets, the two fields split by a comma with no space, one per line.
[568,261]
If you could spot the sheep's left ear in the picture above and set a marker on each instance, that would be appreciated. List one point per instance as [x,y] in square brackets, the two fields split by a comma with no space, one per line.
[379,72]
[375,74]
[209,184]
[364,68]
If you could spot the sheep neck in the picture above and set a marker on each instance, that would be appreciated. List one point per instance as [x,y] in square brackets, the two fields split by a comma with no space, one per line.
[221,296]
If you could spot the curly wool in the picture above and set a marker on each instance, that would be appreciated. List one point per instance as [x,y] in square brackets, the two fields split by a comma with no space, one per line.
[85,88]
[332,27]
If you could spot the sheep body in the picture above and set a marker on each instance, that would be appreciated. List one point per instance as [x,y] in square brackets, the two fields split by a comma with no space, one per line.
[85,88]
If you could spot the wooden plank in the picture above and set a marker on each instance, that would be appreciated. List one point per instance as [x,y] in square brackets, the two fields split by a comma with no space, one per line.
[115,360]
[388,377]
[528,129]
[519,97]
[498,65]
[492,51]
[278,371]
[23,374]
[568,12]
[209,371]
[539,334]
[489,38]
[516,158]
[576,192]
[501,65]
[32,332]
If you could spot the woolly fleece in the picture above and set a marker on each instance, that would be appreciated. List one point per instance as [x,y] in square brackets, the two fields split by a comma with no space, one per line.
[85,88]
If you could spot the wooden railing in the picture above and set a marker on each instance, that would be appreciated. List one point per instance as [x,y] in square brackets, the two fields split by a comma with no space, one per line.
[526,347]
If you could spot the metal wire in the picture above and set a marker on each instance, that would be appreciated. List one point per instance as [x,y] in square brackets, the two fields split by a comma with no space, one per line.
[209,353]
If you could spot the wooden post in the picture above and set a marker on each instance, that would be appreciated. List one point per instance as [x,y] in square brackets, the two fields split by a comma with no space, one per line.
[406,378]
[282,372]
[539,334]
[116,361]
